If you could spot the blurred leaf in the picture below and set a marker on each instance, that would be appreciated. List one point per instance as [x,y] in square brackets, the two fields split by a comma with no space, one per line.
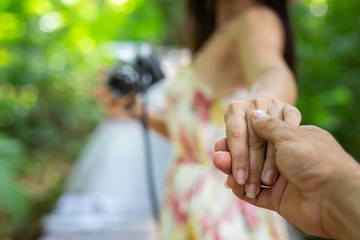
[12,200]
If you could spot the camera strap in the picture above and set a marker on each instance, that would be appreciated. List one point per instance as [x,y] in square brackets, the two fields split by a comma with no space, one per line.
[148,158]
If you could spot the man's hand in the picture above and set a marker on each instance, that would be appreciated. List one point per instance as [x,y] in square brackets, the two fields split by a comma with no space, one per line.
[311,164]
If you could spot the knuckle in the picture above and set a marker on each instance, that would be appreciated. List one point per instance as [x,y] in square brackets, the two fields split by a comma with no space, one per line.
[311,128]
[227,112]
[234,105]
[274,101]
[318,131]
[307,150]
[235,135]
[286,137]
[257,143]
[232,108]
[258,102]
[239,158]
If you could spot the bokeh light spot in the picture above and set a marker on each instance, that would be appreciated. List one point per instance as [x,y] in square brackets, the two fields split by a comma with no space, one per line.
[88,11]
[38,6]
[69,2]
[117,3]
[318,8]
[123,6]
[50,22]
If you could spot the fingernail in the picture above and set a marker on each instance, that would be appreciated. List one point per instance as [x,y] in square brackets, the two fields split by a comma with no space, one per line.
[269,175]
[259,114]
[226,185]
[251,191]
[240,176]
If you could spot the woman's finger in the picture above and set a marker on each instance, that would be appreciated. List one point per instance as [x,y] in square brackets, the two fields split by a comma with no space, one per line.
[291,115]
[222,157]
[238,190]
[237,140]
[222,161]
[221,145]
[270,171]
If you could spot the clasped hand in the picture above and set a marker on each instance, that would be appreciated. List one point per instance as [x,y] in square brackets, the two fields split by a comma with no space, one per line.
[315,171]
[253,159]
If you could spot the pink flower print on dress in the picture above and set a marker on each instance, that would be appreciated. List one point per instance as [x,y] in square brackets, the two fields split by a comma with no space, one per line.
[249,212]
[180,214]
[202,105]
[189,147]
[179,204]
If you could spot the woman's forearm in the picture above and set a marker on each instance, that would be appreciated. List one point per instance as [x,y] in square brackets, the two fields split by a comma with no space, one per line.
[156,120]
[277,82]
[157,123]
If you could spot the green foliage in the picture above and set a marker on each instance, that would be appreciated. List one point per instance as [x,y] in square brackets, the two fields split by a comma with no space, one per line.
[12,200]
[329,74]
[50,53]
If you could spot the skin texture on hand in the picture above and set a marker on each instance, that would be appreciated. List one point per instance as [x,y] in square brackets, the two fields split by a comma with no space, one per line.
[311,165]
[253,159]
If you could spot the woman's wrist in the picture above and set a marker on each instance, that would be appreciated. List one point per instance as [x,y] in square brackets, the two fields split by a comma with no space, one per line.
[274,86]
[264,94]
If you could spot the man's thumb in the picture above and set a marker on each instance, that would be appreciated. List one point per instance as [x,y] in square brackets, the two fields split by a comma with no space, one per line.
[268,128]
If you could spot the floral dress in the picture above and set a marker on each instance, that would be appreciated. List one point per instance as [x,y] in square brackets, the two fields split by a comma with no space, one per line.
[196,203]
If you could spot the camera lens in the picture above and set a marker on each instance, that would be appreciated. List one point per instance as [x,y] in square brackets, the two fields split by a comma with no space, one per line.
[124,80]
[121,84]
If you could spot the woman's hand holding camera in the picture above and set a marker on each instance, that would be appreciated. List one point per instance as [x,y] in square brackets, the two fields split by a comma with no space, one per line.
[119,107]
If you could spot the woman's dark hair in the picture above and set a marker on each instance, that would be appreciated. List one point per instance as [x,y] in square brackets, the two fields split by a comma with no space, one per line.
[199,24]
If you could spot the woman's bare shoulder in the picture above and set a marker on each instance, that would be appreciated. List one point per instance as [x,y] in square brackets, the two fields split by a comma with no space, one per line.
[259,24]
[256,17]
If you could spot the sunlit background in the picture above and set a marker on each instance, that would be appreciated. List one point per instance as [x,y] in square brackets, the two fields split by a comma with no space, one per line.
[51,51]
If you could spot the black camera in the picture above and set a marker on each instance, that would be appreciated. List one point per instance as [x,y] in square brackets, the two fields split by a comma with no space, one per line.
[136,74]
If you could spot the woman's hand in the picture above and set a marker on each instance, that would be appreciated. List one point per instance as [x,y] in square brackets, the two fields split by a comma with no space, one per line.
[119,107]
[253,159]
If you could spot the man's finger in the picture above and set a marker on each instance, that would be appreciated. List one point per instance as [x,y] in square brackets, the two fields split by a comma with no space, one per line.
[257,149]
[270,129]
